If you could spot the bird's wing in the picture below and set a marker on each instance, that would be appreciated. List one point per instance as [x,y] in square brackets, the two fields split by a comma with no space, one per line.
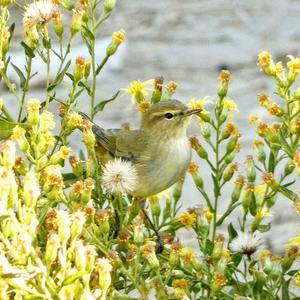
[119,143]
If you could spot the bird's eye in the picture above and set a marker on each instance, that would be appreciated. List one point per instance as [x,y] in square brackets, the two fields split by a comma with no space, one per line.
[169,116]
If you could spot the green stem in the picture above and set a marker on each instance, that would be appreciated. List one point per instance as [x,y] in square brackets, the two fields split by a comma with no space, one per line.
[7,114]
[25,88]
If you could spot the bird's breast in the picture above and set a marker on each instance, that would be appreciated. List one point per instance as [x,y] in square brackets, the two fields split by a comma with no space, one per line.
[163,166]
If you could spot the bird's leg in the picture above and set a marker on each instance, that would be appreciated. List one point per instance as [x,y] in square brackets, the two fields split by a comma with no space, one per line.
[160,246]
[117,226]
[117,219]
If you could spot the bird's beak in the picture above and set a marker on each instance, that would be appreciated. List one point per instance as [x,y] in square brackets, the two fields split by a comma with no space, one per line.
[189,112]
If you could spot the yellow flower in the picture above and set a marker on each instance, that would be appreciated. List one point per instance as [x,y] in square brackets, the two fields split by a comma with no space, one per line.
[253,118]
[119,36]
[75,120]
[193,168]
[275,110]
[263,99]
[231,128]
[180,283]
[224,77]
[187,219]
[139,90]
[187,255]
[33,105]
[294,64]
[297,279]
[264,59]
[295,241]
[262,213]
[230,105]
[199,104]
[171,87]
[279,69]
[144,106]
[64,152]
[297,206]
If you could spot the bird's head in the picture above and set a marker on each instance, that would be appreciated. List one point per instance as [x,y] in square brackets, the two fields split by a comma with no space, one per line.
[169,117]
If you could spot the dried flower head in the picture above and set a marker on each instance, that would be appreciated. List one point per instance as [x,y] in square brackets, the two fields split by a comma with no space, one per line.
[38,13]
[119,176]
[245,243]
[144,106]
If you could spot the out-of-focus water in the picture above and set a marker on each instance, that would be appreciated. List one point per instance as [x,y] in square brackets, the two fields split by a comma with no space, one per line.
[189,42]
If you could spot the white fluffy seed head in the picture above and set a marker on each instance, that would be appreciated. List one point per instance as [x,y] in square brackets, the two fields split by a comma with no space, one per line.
[119,176]
[246,243]
[38,13]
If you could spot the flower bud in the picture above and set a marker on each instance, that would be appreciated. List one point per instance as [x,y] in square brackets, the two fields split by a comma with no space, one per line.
[89,185]
[229,172]
[289,168]
[31,189]
[104,268]
[268,178]
[231,144]
[90,256]
[218,247]
[79,70]
[250,168]
[248,196]
[238,185]
[78,221]
[52,247]
[76,165]
[109,5]
[178,189]
[155,206]
[63,223]
[76,21]
[79,253]
[19,136]
[218,282]
[258,147]
[138,231]
[20,168]
[148,251]
[58,25]
[8,154]
[195,144]
[193,169]
[266,62]
[33,107]
[224,80]
[118,38]
[205,130]
[157,93]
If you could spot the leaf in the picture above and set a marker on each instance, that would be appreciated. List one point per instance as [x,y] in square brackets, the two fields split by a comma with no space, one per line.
[100,106]
[20,74]
[59,77]
[293,272]
[11,31]
[6,128]
[252,207]
[236,258]
[82,155]
[288,193]
[70,279]
[232,232]
[285,290]
[87,33]
[28,51]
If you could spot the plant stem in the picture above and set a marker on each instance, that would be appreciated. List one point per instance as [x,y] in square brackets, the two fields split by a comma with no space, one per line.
[25,88]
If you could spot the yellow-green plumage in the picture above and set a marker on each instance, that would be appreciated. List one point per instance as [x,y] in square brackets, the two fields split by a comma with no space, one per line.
[159,150]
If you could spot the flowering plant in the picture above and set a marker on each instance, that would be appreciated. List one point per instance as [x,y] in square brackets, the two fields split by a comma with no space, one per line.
[78,235]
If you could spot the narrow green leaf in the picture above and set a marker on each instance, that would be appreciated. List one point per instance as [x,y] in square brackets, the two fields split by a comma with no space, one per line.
[100,106]
[232,232]
[20,74]
[70,279]
[285,290]
[11,31]
[59,77]
[28,51]
[87,33]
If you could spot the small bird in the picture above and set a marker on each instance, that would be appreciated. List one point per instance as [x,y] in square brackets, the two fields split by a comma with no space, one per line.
[159,150]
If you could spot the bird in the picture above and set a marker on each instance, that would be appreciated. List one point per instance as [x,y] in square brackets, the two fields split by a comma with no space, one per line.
[159,150]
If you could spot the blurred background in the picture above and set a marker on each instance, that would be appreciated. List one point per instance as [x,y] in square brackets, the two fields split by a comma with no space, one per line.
[190,42]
